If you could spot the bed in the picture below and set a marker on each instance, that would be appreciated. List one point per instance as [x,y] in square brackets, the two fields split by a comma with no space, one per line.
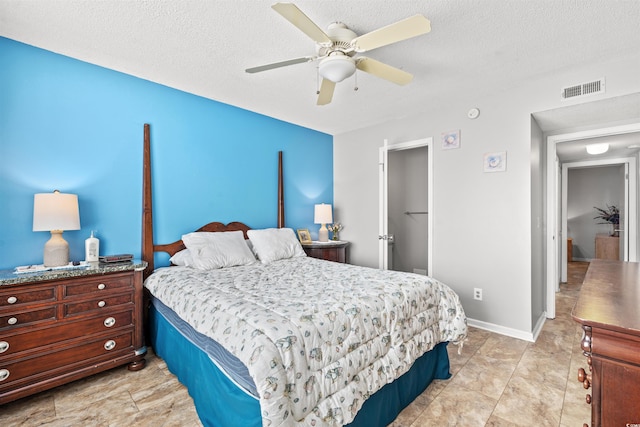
[262,335]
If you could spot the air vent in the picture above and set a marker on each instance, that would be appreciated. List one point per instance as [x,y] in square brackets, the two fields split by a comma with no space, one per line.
[583,89]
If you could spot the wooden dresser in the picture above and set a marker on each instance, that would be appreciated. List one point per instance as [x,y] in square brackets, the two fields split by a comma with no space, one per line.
[59,326]
[608,309]
[330,251]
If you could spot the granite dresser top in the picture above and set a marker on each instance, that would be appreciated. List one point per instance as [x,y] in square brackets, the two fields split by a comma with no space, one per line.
[10,277]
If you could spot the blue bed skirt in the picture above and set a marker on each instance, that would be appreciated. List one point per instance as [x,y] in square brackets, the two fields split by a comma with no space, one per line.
[221,403]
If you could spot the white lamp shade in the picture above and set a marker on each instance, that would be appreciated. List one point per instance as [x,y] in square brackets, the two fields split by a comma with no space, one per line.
[55,211]
[322,214]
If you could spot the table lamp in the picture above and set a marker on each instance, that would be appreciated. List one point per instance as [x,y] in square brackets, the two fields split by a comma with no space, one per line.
[322,215]
[56,212]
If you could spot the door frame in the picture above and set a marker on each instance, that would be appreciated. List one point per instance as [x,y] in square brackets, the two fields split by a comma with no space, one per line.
[553,244]
[383,191]
[629,216]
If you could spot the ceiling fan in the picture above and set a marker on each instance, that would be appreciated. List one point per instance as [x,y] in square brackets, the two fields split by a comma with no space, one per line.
[337,47]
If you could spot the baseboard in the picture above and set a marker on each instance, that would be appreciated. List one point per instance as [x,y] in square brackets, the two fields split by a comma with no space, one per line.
[510,332]
[539,325]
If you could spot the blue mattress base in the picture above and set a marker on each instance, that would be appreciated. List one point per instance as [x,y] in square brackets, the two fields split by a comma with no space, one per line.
[220,402]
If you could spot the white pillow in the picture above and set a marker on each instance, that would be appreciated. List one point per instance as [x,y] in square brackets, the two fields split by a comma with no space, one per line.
[272,244]
[182,257]
[218,249]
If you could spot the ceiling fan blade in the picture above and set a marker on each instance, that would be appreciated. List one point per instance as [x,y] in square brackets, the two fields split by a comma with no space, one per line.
[280,64]
[384,71]
[399,31]
[294,15]
[326,92]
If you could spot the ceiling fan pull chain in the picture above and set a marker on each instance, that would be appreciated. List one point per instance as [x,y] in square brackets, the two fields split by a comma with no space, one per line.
[355,76]
[317,80]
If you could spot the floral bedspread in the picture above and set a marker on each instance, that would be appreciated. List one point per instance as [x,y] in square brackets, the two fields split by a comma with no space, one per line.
[317,337]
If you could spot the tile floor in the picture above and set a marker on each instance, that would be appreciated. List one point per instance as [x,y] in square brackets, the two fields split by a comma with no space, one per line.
[497,381]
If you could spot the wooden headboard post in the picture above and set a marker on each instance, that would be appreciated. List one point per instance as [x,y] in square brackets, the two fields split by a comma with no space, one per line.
[147,207]
[148,246]
[280,192]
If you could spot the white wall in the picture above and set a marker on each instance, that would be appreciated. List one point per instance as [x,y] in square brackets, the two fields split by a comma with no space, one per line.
[482,221]
[538,231]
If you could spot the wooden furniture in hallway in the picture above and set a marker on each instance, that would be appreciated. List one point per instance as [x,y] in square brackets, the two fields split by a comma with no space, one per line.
[607,247]
[607,309]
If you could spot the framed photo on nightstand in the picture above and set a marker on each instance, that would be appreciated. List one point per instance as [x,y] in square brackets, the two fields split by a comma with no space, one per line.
[304,235]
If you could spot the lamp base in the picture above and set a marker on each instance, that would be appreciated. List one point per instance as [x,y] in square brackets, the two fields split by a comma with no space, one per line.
[56,250]
[323,234]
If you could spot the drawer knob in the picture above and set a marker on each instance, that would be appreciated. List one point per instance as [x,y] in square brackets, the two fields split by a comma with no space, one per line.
[109,322]
[12,300]
[4,346]
[584,378]
[101,286]
[12,321]
[4,374]
[101,303]
[588,399]
[110,345]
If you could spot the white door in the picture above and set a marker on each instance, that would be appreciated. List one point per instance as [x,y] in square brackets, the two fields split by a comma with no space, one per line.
[384,238]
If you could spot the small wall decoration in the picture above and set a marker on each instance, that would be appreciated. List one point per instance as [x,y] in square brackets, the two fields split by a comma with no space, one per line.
[451,140]
[304,235]
[495,162]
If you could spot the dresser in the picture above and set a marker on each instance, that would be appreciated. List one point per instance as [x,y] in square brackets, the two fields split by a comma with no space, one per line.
[608,309]
[59,326]
[330,251]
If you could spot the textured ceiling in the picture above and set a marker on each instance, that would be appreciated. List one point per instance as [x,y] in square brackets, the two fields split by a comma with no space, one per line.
[203,47]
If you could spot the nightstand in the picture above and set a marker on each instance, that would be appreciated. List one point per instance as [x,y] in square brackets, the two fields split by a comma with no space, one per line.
[62,325]
[333,250]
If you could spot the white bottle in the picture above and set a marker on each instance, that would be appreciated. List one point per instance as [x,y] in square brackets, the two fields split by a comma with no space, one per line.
[91,249]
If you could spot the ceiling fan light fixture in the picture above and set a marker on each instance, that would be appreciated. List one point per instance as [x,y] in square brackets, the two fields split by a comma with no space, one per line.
[597,148]
[337,67]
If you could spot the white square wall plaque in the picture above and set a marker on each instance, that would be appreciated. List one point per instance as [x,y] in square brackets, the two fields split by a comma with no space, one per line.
[495,162]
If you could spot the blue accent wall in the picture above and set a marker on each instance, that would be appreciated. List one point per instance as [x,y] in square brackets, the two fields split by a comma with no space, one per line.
[78,128]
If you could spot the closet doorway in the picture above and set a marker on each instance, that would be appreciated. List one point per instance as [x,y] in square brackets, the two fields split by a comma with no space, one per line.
[405,230]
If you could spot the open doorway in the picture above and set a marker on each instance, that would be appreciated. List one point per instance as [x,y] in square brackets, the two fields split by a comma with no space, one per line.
[556,253]
[405,229]
[408,210]
[603,184]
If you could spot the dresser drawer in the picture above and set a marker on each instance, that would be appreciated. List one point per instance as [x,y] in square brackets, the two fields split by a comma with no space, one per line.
[21,341]
[100,284]
[75,308]
[11,320]
[47,364]
[16,296]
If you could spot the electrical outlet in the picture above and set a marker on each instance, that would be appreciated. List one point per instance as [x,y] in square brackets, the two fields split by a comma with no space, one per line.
[477,294]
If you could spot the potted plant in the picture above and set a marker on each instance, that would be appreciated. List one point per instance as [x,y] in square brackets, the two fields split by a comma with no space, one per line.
[610,215]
